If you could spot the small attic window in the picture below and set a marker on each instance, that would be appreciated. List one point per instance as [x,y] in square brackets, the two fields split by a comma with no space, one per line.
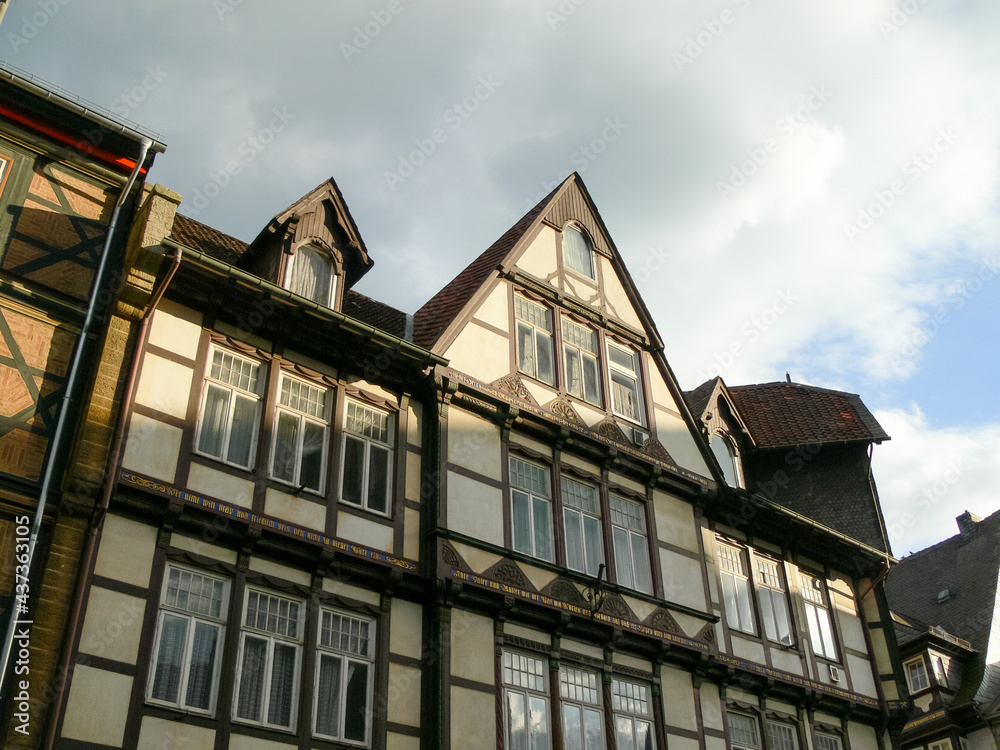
[944,595]
[577,252]
[312,274]
[726,455]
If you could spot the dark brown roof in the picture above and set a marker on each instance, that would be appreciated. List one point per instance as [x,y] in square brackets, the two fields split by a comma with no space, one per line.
[374,313]
[203,238]
[431,320]
[697,399]
[787,414]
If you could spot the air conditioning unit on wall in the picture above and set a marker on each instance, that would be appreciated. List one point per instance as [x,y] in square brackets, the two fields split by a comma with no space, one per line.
[835,674]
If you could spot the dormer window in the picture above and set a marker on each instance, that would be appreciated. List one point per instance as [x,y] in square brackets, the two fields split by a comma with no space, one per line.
[577,252]
[312,274]
[725,454]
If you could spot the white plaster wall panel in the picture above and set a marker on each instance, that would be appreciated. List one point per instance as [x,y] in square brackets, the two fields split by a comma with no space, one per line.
[346,590]
[374,390]
[415,425]
[640,607]
[495,309]
[201,547]
[530,634]
[360,530]
[243,742]
[406,629]
[152,448]
[475,509]
[539,258]
[619,305]
[861,676]
[689,624]
[97,707]
[862,737]
[746,649]
[296,510]
[659,391]
[411,534]
[468,727]
[480,353]
[538,577]
[279,571]
[176,329]
[787,661]
[845,603]
[126,551]
[676,438]
[569,458]
[401,742]
[889,690]
[589,415]
[112,626]
[582,291]
[541,393]
[711,707]
[579,647]
[160,734]
[715,743]
[880,650]
[413,478]
[473,443]
[682,582]
[630,661]
[471,646]
[675,742]
[324,369]
[214,483]
[535,445]
[404,695]
[479,560]
[242,336]
[628,483]
[164,386]
[675,522]
[852,631]
[678,699]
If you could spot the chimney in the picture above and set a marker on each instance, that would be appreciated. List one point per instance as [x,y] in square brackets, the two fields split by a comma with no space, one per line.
[968,524]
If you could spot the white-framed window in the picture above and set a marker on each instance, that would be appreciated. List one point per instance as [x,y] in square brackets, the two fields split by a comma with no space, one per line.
[941,745]
[773,601]
[916,674]
[577,252]
[725,454]
[525,702]
[744,733]
[940,664]
[580,696]
[628,532]
[626,391]
[736,589]
[818,617]
[828,742]
[535,353]
[267,670]
[345,673]
[781,736]
[366,480]
[301,432]
[531,509]
[312,274]
[187,648]
[582,523]
[230,409]
[633,715]
[583,373]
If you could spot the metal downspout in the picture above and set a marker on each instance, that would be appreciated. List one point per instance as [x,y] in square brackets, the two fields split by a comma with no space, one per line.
[97,521]
[55,445]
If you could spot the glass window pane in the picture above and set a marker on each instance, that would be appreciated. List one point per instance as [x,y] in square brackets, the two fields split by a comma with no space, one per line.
[170,658]
[286,446]
[593,544]
[781,620]
[213,421]
[745,608]
[249,700]
[829,646]
[313,440]
[538,723]
[574,371]
[354,470]
[593,733]
[242,432]
[543,529]
[282,693]
[575,557]
[729,597]
[572,727]
[202,670]
[767,613]
[623,557]
[577,252]
[623,731]
[645,739]
[356,706]
[591,380]
[526,349]
[546,358]
[640,558]
[521,521]
[517,725]
[328,696]
[378,478]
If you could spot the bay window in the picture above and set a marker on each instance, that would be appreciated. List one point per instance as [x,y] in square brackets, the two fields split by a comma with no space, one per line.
[366,478]
[230,409]
[525,702]
[633,716]
[298,456]
[582,522]
[818,617]
[580,696]
[344,677]
[535,354]
[583,378]
[628,533]
[626,392]
[188,642]
[531,509]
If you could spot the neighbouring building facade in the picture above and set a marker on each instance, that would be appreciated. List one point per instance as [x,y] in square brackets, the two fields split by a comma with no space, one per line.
[944,607]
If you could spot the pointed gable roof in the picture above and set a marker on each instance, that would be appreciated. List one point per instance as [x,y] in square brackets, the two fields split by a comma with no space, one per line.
[431,320]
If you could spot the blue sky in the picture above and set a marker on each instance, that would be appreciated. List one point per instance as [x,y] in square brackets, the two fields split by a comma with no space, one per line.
[805,184]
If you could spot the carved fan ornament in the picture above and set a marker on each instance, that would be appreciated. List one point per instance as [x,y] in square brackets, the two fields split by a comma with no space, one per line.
[512,384]
[565,591]
[663,620]
[563,408]
[507,572]
[451,557]
[707,634]
[615,606]
[655,449]
[610,429]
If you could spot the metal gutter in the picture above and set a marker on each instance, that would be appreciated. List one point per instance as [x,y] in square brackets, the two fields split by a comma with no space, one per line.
[344,321]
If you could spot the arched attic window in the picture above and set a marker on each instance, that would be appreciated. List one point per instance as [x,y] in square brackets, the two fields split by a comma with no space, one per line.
[728,458]
[312,273]
[577,251]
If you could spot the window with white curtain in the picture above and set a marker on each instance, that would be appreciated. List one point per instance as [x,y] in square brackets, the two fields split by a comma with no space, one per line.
[312,275]
[580,696]
[736,589]
[345,675]
[626,392]
[531,509]
[535,354]
[270,656]
[582,523]
[743,732]
[230,408]
[818,616]
[367,477]
[781,736]
[628,533]
[633,715]
[301,431]
[525,702]
[773,601]
[577,252]
[583,373]
[187,647]
[828,742]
